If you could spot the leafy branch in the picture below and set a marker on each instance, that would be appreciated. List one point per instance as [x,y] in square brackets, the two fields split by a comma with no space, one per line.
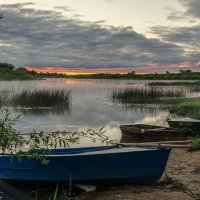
[36,145]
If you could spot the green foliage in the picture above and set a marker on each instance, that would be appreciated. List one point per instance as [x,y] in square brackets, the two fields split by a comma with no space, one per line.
[169,98]
[36,98]
[7,66]
[145,94]
[182,75]
[22,68]
[64,194]
[195,144]
[8,74]
[10,138]
[38,145]
[41,98]
[174,83]
[184,106]
[52,101]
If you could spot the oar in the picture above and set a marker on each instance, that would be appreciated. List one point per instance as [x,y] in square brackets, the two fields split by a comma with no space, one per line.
[161,142]
[159,145]
[164,144]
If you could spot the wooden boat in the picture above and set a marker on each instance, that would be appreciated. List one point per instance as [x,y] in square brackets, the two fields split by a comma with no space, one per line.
[94,165]
[192,124]
[149,133]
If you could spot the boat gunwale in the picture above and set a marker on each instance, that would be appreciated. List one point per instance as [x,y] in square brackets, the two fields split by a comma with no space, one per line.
[93,153]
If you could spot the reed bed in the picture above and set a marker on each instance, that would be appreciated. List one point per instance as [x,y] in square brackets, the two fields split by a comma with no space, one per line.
[41,98]
[184,107]
[174,83]
[4,96]
[147,94]
[37,100]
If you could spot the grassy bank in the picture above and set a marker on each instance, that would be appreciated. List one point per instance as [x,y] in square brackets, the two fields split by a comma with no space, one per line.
[146,95]
[188,107]
[173,100]
[174,83]
[9,74]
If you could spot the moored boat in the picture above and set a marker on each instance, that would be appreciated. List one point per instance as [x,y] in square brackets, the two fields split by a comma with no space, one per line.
[94,165]
[192,124]
[150,133]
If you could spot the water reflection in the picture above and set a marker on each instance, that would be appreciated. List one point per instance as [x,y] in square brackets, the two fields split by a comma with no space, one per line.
[37,102]
[40,112]
[91,106]
[141,108]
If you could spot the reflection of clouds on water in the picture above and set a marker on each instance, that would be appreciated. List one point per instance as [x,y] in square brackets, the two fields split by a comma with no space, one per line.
[158,119]
[112,130]
[91,106]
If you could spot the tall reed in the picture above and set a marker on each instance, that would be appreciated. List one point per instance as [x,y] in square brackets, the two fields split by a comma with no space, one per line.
[146,94]
[41,98]
[186,83]
[38,102]
[36,98]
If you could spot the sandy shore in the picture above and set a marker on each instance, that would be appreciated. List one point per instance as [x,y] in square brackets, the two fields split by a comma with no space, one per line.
[181,182]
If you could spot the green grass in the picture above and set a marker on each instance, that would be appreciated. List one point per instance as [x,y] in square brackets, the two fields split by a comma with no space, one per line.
[41,98]
[174,83]
[36,98]
[8,74]
[38,102]
[196,143]
[188,107]
[146,95]
[173,100]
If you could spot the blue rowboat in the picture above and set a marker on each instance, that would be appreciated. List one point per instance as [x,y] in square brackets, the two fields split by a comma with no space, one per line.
[91,165]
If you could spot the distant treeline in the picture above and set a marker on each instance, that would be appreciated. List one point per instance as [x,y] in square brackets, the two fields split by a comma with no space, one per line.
[9,72]
[182,75]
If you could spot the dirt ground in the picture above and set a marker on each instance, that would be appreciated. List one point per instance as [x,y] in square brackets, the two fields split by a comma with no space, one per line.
[181,181]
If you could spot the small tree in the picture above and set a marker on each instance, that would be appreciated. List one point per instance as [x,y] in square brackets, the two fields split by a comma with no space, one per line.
[133,72]
[7,66]
[167,72]
[22,68]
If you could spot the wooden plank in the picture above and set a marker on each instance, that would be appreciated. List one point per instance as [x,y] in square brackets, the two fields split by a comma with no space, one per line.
[161,142]
[158,145]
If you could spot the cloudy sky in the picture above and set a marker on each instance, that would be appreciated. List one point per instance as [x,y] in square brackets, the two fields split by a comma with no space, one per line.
[101,35]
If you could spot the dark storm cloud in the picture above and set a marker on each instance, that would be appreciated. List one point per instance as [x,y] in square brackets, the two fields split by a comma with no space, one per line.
[192,8]
[47,38]
[187,37]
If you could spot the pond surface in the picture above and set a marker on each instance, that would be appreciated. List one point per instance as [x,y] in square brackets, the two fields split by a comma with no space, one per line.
[91,107]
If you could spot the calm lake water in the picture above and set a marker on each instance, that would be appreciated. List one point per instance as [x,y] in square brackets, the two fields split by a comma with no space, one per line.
[91,107]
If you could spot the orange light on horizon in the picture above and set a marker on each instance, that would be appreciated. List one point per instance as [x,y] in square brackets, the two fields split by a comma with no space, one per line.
[58,71]
[79,71]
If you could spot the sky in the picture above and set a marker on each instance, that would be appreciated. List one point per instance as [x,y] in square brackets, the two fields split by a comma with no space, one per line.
[101,36]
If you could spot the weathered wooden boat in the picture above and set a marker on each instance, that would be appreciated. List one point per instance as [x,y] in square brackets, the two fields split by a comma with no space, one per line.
[150,133]
[192,124]
[94,165]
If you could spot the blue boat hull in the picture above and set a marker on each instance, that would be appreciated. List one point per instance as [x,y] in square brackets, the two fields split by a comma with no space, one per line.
[112,165]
